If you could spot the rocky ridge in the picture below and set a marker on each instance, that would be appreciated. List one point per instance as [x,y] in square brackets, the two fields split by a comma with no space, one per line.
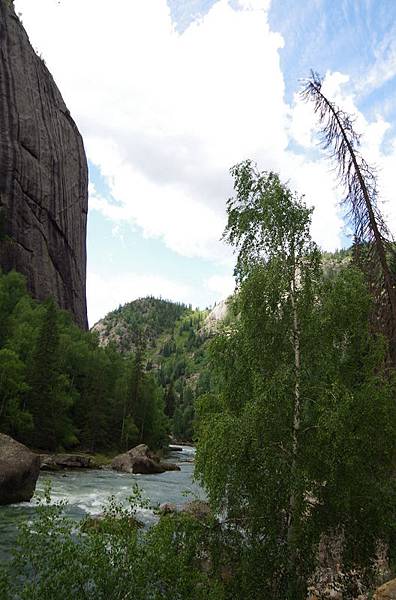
[43,176]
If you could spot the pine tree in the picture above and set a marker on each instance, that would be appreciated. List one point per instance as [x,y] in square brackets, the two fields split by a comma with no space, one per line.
[48,399]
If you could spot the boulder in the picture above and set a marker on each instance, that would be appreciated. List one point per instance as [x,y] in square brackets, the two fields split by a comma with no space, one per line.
[106,524]
[57,462]
[167,508]
[198,509]
[19,469]
[387,591]
[167,466]
[141,460]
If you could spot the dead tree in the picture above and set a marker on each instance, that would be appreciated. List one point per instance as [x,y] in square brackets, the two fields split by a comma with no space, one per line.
[374,249]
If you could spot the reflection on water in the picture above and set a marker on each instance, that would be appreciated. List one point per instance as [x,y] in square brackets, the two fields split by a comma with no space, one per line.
[86,492]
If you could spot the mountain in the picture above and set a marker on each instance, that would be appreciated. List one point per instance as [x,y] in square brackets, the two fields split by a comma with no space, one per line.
[145,319]
[43,176]
[174,340]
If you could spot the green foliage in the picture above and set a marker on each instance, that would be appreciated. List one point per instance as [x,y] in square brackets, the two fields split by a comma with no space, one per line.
[14,420]
[59,389]
[49,396]
[290,448]
[175,352]
[146,318]
[56,559]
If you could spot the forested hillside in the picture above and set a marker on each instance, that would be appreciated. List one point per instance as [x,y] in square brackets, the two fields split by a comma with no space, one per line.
[172,340]
[59,389]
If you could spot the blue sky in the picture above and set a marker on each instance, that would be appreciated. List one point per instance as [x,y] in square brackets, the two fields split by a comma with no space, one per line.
[168,95]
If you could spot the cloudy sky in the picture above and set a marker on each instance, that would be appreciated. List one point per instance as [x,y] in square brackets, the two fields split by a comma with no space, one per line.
[169,94]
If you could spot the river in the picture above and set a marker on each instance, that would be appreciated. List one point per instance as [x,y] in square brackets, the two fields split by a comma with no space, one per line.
[86,492]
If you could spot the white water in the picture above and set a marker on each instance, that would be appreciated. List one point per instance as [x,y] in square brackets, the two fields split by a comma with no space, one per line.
[87,491]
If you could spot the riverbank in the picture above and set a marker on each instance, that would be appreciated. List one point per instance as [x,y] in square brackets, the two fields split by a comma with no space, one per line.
[87,491]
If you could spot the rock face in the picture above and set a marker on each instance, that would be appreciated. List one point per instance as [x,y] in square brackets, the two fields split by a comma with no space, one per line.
[57,462]
[141,460]
[43,176]
[19,469]
[215,317]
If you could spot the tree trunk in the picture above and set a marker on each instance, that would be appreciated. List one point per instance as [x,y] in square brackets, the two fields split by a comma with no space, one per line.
[291,521]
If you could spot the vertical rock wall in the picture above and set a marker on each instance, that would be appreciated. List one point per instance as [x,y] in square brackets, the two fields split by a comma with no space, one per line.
[43,176]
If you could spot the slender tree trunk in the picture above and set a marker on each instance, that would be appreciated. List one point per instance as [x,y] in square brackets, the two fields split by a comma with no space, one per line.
[291,521]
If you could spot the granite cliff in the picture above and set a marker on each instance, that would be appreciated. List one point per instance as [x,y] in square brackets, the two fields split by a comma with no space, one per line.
[43,176]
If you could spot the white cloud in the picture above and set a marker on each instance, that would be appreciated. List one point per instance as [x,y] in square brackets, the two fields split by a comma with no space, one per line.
[302,122]
[164,115]
[384,67]
[222,285]
[255,4]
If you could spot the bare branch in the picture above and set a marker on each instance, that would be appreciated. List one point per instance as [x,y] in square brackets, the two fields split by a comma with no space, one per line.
[373,245]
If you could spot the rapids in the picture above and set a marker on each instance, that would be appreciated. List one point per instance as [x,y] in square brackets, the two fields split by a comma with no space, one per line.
[86,492]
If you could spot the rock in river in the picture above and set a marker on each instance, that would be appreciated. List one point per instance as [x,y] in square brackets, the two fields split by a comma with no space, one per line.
[56,462]
[19,469]
[141,460]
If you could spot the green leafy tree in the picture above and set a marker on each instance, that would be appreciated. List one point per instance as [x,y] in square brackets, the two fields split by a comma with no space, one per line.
[295,370]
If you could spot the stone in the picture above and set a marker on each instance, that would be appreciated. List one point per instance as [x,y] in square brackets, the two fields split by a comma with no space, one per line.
[167,508]
[387,591]
[19,470]
[141,460]
[105,524]
[57,462]
[167,466]
[198,509]
[43,176]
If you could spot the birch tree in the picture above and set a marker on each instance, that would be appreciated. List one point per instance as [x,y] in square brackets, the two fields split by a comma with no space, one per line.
[288,448]
[269,227]
[276,271]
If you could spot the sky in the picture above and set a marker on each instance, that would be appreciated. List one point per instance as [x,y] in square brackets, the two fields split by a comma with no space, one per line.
[170,94]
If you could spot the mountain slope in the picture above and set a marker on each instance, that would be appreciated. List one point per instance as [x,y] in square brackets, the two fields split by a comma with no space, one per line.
[174,340]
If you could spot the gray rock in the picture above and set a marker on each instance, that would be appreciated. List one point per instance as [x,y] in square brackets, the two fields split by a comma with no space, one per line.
[140,460]
[19,469]
[57,462]
[167,466]
[43,176]
[167,508]
[199,509]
